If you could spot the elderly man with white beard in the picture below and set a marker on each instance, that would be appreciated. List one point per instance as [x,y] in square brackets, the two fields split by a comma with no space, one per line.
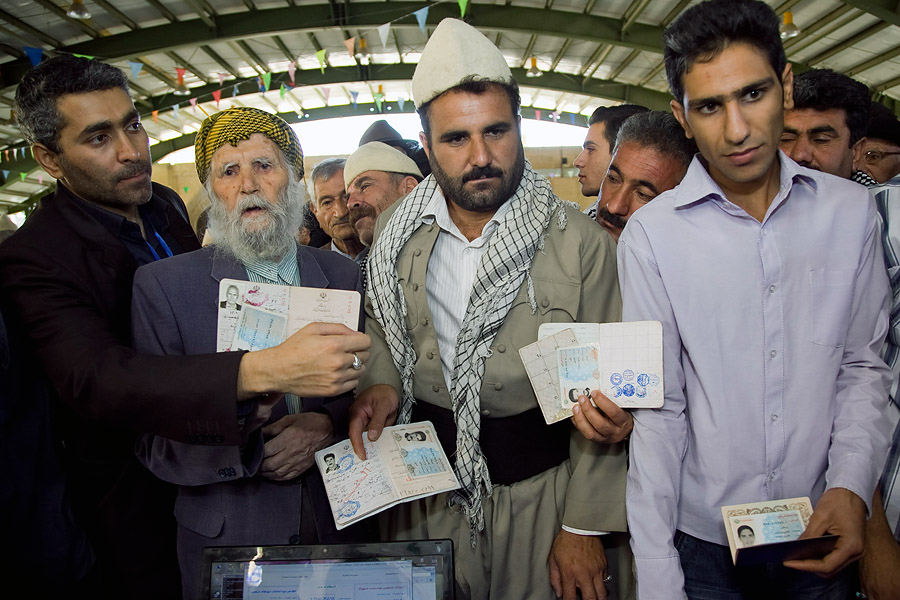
[262,492]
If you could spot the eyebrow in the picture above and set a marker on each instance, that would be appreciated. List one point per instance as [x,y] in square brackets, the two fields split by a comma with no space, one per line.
[639,182]
[588,144]
[108,124]
[762,83]
[499,125]
[361,180]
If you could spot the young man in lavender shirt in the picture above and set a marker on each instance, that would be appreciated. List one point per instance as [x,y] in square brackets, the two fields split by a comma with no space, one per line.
[769,281]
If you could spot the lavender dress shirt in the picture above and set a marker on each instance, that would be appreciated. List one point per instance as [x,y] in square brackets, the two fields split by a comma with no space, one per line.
[774,387]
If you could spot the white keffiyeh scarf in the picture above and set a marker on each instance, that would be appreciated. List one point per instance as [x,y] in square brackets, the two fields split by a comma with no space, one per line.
[504,267]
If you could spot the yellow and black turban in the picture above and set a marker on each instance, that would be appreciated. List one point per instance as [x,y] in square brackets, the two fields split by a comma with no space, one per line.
[237,124]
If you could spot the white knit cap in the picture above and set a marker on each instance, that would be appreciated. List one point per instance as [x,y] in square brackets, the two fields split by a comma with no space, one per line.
[377,156]
[454,52]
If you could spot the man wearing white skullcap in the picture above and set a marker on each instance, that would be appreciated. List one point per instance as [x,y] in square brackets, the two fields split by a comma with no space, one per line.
[376,175]
[462,272]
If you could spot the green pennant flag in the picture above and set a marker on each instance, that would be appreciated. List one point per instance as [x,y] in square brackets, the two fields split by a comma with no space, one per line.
[462,7]
[283,91]
[23,176]
[320,55]
[186,188]
[267,80]
[379,98]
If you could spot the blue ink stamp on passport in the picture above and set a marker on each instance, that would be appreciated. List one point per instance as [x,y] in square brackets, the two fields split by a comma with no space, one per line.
[615,378]
[349,509]
[628,390]
[627,374]
[643,379]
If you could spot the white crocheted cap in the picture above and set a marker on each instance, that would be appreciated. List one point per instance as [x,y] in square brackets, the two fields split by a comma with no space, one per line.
[377,156]
[454,52]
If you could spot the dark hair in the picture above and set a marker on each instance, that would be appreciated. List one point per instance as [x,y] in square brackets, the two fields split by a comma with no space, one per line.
[703,31]
[660,131]
[823,89]
[471,85]
[883,124]
[613,117]
[747,527]
[329,455]
[41,88]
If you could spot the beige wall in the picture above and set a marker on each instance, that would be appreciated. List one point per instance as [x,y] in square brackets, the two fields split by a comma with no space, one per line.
[546,160]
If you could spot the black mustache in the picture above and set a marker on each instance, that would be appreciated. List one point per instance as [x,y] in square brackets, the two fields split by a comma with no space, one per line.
[482,172]
[614,220]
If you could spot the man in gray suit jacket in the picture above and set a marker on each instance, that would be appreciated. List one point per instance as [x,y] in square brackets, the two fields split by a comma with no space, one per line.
[263,491]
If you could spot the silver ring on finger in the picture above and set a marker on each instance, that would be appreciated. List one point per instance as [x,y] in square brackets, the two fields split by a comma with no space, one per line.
[357,364]
[608,578]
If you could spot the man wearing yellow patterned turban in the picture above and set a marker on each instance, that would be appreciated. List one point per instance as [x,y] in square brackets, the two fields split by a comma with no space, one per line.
[262,492]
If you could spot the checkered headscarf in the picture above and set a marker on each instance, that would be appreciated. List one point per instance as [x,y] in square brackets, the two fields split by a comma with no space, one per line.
[237,124]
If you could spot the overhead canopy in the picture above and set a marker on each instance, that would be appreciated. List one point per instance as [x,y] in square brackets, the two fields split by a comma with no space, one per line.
[590,54]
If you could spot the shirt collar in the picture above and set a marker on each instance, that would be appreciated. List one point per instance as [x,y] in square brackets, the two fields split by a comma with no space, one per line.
[436,212]
[285,271]
[154,210]
[697,185]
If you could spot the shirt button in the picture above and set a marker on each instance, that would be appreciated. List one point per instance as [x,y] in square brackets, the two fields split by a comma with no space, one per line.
[774,418]
[429,355]
[486,413]
[294,539]
[498,386]
[415,287]
[417,251]
[435,388]
[545,303]
[772,289]
[424,322]
[773,354]
[501,348]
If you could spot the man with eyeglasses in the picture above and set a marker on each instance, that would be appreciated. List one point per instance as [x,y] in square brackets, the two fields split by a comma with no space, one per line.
[880,160]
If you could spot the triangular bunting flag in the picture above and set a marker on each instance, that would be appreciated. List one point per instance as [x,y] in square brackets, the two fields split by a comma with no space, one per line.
[135,68]
[87,56]
[6,152]
[234,91]
[186,188]
[320,56]
[572,118]
[326,91]
[351,45]
[355,97]
[379,99]
[555,115]
[422,17]
[155,115]
[400,102]
[383,32]
[221,78]
[175,110]
[41,179]
[292,68]
[462,7]
[217,95]
[537,115]
[194,103]
[282,91]
[267,81]
[34,55]
[5,174]
[22,176]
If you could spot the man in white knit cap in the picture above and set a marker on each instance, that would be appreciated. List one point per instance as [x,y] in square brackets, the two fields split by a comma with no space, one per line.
[462,273]
[375,176]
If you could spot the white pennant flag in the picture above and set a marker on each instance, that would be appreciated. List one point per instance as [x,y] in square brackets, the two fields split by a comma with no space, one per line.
[383,32]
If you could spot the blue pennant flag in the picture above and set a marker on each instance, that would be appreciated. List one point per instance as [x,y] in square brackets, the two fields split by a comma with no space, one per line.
[34,55]
[421,17]
[135,68]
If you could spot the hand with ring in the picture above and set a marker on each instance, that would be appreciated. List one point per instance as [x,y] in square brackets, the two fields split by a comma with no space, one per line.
[357,364]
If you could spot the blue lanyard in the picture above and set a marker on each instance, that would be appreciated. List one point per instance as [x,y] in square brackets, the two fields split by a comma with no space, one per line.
[162,242]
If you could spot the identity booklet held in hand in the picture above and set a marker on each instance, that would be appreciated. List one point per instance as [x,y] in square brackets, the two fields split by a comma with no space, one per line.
[406,463]
[767,532]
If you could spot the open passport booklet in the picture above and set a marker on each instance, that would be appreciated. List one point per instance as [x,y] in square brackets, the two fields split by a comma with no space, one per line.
[767,532]
[407,462]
